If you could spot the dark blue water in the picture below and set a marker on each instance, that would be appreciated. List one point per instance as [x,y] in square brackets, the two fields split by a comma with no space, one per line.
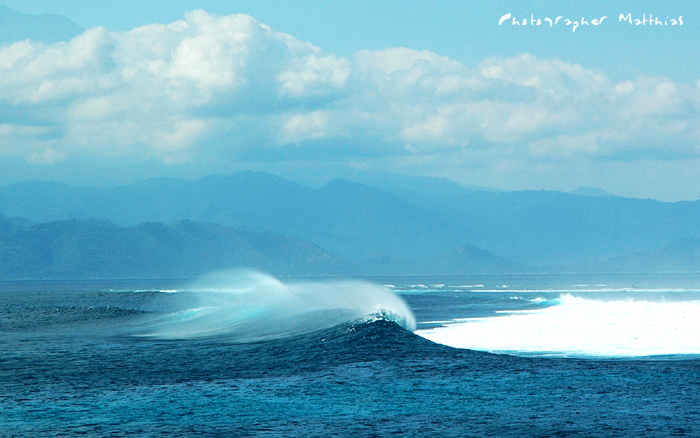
[70,364]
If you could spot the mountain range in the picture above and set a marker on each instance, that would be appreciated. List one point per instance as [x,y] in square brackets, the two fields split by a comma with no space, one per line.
[96,249]
[403,225]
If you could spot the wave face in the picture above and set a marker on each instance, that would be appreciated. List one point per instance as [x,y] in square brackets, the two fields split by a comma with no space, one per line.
[249,306]
[578,327]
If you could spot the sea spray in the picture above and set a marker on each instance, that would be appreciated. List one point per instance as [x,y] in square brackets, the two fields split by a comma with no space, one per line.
[245,305]
[579,327]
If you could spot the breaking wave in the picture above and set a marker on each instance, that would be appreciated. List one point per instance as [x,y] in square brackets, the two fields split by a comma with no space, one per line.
[248,306]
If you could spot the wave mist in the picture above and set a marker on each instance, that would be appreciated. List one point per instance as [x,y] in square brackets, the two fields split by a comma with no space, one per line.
[244,306]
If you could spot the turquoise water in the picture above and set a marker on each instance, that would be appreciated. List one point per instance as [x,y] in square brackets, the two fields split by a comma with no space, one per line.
[260,356]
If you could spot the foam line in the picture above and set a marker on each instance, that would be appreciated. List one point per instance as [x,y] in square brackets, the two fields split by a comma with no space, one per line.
[574,326]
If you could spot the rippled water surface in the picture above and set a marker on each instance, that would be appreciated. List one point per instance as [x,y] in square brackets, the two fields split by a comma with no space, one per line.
[613,356]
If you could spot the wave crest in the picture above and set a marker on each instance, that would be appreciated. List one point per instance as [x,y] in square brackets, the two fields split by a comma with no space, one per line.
[248,306]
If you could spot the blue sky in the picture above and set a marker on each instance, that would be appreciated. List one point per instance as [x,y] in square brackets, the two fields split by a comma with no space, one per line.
[318,89]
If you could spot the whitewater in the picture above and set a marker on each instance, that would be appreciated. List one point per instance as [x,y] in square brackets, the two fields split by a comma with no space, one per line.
[575,326]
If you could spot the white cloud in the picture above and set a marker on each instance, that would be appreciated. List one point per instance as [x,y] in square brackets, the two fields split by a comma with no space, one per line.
[314,75]
[298,127]
[212,83]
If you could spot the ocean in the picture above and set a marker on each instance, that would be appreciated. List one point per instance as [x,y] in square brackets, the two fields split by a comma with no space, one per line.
[245,354]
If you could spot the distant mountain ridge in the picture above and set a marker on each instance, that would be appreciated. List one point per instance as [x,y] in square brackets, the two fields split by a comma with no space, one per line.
[349,219]
[545,231]
[47,28]
[75,249]
[101,250]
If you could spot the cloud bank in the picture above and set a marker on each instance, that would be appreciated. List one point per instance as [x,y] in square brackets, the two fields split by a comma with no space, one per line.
[230,89]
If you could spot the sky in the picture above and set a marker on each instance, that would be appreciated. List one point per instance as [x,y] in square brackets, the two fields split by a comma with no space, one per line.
[313,90]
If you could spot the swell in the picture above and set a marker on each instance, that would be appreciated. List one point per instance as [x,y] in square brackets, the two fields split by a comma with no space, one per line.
[27,318]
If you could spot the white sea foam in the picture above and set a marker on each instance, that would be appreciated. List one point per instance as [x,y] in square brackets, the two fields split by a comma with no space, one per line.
[534,300]
[247,305]
[581,327]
